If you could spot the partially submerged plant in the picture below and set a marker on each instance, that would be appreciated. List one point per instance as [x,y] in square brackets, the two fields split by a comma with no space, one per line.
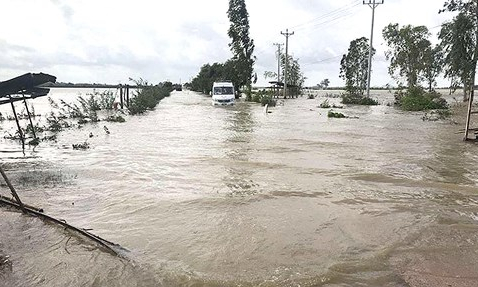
[325,104]
[356,99]
[34,142]
[56,123]
[332,114]
[264,98]
[416,99]
[116,119]
[81,146]
[148,96]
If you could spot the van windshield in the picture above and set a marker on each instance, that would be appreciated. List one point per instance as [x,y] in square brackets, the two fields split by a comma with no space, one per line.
[223,90]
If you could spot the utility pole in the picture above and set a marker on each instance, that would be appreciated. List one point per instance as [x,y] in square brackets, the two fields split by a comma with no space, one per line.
[286,34]
[278,61]
[373,4]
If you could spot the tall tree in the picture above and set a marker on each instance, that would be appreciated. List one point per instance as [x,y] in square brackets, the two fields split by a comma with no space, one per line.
[433,65]
[354,66]
[407,54]
[295,77]
[242,46]
[459,39]
[324,84]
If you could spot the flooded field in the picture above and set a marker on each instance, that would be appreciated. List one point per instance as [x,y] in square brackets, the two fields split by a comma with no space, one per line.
[214,196]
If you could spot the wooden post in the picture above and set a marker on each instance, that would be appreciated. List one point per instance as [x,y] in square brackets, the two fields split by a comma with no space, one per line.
[18,123]
[29,117]
[121,97]
[127,95]
[12,189]
[468,116]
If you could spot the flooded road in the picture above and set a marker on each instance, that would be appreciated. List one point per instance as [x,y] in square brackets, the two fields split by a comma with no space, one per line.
[216,196]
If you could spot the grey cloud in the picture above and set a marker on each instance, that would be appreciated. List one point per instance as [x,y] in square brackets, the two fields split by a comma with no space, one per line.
[66,10]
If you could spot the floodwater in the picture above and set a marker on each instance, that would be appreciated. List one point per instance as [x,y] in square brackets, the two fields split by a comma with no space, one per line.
[234,196]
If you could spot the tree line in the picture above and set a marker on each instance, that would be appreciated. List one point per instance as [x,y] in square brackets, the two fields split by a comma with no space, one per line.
[415,63]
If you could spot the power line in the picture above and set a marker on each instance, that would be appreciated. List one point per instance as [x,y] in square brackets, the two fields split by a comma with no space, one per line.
[333,15]
[322,61]
[337,12]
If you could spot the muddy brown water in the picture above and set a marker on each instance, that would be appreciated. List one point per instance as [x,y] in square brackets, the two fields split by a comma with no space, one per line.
[233,196]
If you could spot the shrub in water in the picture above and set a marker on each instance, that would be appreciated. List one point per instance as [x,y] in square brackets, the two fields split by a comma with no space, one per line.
[325,105]
[268,100]
[264,98]
[332,114]
[83,146]
[416,99]
[356,99]
[117,119]
[148,96]
[256,98]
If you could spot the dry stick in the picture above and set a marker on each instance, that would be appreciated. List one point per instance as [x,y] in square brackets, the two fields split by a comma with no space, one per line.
[12,189]
[108,245]
[18,124]
[29,117]
[66,244]
[24,204]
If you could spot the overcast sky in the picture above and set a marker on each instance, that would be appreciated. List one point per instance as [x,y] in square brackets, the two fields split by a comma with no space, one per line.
[110,41]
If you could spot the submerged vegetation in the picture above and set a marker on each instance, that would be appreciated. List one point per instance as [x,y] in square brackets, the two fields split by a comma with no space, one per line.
[416,99]
[326,105]
[81,146]
[148,96]
[264,98]
[90,109]
[332,114]
[356,99]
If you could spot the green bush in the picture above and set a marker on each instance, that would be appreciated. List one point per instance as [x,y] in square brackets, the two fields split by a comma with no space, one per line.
[81,146]
[87,107]
[256,98]
[56,123]
[268,100]
[264,98]
[148,97]
[332,114]
[116,119]
[325,105]
[356,99]
[416,99]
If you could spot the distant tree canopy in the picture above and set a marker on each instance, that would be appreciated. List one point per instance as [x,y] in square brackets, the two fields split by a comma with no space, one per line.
[415,61]
[354,66]
[295,77]
[213,73]
[324,84]
[408,53]
[459,42]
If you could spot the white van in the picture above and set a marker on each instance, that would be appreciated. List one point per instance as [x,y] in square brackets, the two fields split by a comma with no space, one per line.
[223,93]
